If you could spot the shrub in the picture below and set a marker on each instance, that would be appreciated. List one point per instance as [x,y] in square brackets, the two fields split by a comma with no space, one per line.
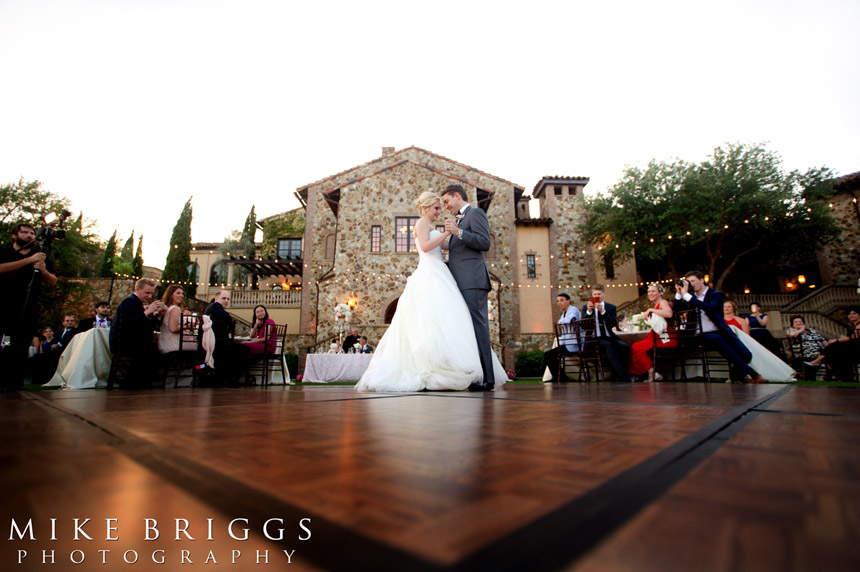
[530,364]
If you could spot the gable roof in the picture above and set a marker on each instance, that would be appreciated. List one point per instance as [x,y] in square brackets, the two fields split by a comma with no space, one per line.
[330,183]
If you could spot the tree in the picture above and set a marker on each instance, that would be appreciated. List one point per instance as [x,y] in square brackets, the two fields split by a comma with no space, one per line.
[176,267]
[248,233]
[137,263]
[128,249]
[106,268]
[26,201]
[714,215]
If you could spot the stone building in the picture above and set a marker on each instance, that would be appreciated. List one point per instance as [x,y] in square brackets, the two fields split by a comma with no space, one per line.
[839,263]
[358,247]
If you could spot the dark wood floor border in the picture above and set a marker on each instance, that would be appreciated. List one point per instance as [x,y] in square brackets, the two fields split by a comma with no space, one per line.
[589,401]
[556,539]
[548,543]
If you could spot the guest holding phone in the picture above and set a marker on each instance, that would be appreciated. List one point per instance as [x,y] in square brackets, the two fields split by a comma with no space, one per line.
[606,318]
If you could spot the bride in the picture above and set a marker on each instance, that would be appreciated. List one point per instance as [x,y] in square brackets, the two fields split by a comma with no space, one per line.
[416,351]
[765,363]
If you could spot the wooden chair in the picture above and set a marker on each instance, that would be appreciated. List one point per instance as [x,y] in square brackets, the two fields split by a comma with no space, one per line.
[687,331]
[187,354]
[588,356]
[274,342]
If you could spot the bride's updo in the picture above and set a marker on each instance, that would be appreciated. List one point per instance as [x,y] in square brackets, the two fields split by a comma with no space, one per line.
[426,199]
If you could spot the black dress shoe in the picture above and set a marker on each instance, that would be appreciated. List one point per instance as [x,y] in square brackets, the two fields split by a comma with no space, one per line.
[480,387]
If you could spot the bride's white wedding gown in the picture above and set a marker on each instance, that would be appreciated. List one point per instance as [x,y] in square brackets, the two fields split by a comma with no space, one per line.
[430,343]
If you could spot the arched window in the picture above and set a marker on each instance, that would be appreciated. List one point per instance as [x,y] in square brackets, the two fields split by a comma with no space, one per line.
[390,310]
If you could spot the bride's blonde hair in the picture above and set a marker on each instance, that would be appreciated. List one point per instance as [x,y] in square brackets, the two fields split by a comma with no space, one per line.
[426,199]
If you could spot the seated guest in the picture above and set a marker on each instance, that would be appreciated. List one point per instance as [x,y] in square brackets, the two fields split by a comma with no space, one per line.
[640,360]
[766,363]
[100,320]
[333,349]
[69,332]
[807,347]
[231,359]
[47,339]
[364,347]
[758,329]
[693,293]
[552,358]
[171,325]
[730,315]
[606,320]
[258,331]
[350,341]
[134,321]
[840,354]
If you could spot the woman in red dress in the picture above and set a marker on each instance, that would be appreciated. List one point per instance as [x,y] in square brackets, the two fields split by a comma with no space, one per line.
[730,313]
[640,361]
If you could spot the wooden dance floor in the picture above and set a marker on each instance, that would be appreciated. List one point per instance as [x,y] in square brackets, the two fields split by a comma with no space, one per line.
[664,476]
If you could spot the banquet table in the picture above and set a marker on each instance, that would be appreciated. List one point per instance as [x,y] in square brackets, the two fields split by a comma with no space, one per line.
[327,368]
[86,362]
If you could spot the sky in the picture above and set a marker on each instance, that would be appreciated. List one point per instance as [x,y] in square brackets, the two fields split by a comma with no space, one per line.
[128,108]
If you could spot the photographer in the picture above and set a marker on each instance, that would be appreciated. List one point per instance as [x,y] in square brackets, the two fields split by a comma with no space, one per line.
[23,270]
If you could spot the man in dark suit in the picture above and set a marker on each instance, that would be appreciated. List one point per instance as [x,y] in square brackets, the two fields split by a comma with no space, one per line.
[231,359]
[65,338]
[364,347]
[135,319]
[350,341]
[693,293]
[606,318]
[470,239]
[99,320]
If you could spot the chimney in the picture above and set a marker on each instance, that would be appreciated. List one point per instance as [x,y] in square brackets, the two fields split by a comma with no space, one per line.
[387,151]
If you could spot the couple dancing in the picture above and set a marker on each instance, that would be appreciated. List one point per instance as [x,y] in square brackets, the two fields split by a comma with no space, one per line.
[439,338]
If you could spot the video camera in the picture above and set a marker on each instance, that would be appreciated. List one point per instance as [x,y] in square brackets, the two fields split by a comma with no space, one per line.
[52,230]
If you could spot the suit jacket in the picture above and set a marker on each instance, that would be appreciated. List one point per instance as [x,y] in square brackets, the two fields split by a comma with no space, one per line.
[136,327]
[349,342]
[712,306]
[222,323]
[609,318]
[66,338]
[89,323]
[367,349]
[466,254]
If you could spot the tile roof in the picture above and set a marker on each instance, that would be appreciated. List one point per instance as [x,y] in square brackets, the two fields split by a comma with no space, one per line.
[547,180]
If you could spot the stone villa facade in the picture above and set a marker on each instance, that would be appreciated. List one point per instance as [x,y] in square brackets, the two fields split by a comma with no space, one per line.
[358,247]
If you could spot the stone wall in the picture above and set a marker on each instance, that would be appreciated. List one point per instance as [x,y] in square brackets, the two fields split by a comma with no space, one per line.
[572,266]
[840,262]
[375,194]
[96,290]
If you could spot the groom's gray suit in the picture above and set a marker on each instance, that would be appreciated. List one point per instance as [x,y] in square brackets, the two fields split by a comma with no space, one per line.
[466,262]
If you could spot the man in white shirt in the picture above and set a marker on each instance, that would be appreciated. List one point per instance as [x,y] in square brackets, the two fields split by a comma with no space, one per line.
[617,353]
[552,358]
[718,335]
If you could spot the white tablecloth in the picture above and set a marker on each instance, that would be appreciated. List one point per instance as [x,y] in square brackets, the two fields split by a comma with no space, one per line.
[85,364]
[326,368]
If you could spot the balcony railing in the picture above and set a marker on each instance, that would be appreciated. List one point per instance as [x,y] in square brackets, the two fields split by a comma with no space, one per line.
[268,298]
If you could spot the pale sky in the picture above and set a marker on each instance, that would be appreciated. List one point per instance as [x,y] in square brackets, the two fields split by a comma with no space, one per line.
[129,107]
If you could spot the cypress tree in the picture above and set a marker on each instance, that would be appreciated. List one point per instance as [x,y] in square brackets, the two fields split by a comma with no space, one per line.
[106,268]
[176,267]
[128,250]
[137,263]
[248,234]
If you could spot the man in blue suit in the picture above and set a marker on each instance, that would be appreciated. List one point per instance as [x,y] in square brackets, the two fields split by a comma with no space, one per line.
[718,335]
[606,319]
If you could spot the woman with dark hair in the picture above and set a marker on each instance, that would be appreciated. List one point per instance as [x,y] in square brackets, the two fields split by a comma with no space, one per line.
[841,353]
[258,331]
[758,330]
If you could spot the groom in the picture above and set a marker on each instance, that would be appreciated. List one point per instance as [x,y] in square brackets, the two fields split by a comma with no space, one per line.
[470,239]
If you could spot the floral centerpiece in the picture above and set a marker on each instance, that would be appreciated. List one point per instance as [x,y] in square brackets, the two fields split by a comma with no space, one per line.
[637,323]
[342,312]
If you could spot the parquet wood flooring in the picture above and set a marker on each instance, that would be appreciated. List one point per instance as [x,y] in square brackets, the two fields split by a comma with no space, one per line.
[528,477]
